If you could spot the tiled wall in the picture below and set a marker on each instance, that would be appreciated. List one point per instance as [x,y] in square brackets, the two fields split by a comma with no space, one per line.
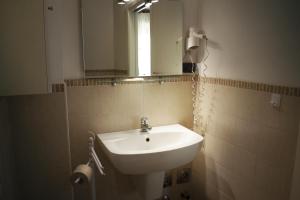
[7,175]
[40,147]
[295,192]
[249,146]
[105,108]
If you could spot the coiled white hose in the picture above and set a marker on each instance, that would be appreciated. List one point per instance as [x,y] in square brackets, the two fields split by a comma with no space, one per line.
[198,91]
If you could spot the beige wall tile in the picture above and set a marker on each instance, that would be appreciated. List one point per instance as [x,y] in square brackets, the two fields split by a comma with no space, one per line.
[7,163]
[295,192]
[275,146]
[284,119]
[250,146]
[271,180]
[168,103]
[41,146]
[106,108]
[231,157]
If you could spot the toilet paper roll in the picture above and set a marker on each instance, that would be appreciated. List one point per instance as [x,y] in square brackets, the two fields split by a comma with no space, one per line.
[82,175]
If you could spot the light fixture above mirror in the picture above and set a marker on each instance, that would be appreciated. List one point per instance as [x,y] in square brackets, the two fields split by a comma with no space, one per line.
[123,2]
[144,5]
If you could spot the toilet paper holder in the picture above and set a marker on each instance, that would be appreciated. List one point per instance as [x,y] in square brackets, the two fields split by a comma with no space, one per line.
[93,158]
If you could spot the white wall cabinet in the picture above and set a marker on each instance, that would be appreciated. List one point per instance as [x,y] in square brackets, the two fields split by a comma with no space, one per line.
[22,47]
[39,45]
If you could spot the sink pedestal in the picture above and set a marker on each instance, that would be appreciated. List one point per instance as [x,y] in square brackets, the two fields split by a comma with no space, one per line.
[149,186]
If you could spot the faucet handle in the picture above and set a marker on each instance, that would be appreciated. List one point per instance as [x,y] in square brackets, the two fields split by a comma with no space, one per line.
[145,125]
[144,120]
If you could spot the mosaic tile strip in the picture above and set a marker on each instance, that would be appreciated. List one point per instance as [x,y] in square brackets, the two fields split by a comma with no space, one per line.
[284,90]
[60,87]
[120,80]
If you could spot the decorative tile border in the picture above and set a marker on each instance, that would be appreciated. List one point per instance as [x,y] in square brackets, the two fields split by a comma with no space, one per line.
[284,90]
[59,87]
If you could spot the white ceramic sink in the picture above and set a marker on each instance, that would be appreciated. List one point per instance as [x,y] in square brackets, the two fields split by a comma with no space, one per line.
[162,148]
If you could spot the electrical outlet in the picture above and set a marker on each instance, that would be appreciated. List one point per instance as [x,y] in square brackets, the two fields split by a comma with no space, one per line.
[168,180]
[183,175]
[275,100]
[166,194]
[185,195]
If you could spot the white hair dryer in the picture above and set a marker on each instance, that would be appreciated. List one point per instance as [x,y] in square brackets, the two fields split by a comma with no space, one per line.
[193,40]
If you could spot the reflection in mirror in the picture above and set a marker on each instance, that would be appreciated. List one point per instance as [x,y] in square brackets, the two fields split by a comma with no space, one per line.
[166,37]
[105,43]
[143,36]
[132,38]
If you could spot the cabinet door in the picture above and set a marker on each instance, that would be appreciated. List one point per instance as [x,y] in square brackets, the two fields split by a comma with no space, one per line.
[22,47]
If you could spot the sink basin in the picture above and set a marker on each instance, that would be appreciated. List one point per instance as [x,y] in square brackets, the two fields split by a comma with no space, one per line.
[162,148]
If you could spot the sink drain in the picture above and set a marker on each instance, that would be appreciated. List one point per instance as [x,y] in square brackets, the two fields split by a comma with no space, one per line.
[147,139]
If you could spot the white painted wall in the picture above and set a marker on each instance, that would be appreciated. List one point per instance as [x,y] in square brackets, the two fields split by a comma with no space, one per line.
[253,40]
[190,14]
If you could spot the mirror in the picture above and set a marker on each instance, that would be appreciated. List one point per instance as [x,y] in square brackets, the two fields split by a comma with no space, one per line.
[131,38]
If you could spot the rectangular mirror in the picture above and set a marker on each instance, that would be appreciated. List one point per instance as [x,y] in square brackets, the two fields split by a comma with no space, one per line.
[132,38]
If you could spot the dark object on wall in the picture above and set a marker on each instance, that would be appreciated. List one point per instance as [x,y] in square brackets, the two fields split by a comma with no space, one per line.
[188,67]
[168,180]
[185,195]
[183,175]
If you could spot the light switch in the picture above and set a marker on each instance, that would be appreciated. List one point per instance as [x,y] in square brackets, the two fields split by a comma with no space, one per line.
[275,100]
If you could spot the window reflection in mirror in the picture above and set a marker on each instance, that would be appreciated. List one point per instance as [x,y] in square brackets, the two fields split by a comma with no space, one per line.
[143,43]
[119,41]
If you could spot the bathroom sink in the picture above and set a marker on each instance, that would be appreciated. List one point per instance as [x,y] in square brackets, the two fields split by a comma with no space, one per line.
[165,147]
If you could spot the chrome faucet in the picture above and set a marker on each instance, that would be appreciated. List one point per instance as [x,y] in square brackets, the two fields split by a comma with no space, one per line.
[145,127]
